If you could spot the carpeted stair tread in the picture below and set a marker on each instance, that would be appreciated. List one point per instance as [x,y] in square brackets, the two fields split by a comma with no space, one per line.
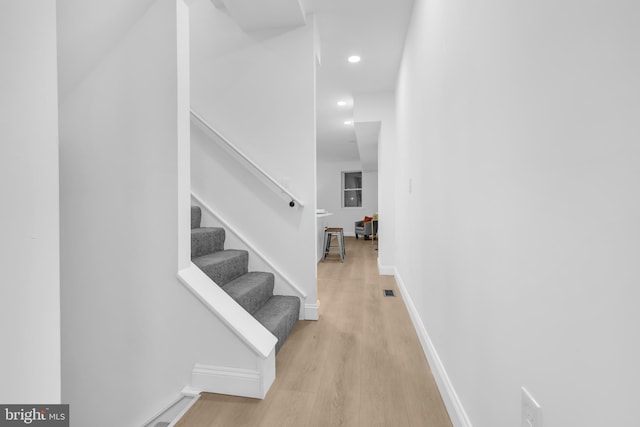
[251,290]
[206,240]
[279,315]
[224,266]
[196,216]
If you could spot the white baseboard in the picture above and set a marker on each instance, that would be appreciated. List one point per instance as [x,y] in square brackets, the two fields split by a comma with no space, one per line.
[235,381]
[451,400]
[386,270]
[194,399]
[173,411]
[312,311]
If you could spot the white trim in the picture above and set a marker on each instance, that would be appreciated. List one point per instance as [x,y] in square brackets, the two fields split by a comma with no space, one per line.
[268,368]
[261,172]
[253,249]
[183,157]
[312,311]
[451,400]
[232,315]
[386,270]
[234,381]
[178,417]
[185,393]
[164,409]
[191,391]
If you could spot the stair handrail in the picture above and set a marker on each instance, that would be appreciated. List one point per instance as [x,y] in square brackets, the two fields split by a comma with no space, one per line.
[202,122]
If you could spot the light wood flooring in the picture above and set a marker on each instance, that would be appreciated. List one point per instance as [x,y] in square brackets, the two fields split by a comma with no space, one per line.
[361,364]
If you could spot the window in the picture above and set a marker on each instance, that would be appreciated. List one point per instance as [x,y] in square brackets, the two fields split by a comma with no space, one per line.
[351,189]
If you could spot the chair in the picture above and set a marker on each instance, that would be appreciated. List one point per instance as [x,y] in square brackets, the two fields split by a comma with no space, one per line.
[364,229]
[329,232]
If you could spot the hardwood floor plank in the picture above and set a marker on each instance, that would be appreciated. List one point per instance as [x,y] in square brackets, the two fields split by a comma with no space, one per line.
[287,409]
[361,364]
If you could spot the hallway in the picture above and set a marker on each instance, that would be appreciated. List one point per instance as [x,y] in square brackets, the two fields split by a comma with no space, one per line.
[361,364]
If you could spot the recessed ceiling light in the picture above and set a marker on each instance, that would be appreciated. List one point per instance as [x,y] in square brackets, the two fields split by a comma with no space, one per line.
[342,103]
[348,122]
[353,59]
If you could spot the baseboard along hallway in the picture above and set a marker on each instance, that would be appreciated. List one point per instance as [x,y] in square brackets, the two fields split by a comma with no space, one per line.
[360,364]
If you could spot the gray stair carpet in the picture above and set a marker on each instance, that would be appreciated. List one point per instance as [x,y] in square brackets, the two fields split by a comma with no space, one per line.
[223,266]
[252,290]
[279,315]
[206,240]
[196,217]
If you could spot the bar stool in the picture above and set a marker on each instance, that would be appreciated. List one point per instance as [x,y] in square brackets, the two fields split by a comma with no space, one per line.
[329,232]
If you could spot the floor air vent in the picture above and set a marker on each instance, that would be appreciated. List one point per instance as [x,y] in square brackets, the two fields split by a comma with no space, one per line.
[389,293]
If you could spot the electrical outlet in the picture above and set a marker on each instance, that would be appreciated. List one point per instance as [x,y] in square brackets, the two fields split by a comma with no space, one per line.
[531,411]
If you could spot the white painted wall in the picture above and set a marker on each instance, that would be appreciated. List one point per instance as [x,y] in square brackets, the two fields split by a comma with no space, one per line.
[29,246]
[102,25]
[131,333]
[330,194]
[380,106]
[257,89]
[518,129]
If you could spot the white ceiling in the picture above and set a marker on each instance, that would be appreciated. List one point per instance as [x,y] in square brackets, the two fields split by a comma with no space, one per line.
[372,29]
[253,15]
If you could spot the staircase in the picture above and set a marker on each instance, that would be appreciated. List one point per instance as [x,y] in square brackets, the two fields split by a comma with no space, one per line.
[229,269]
